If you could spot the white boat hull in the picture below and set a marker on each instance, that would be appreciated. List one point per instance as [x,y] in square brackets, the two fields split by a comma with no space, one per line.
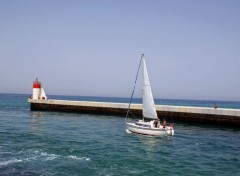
[149,130]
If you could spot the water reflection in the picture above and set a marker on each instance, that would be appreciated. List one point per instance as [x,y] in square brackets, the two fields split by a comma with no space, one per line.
[36,121]
[151,147]
[150,143]
[36,114]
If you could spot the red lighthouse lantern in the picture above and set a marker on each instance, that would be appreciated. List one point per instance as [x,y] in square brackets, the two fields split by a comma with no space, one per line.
[36,89]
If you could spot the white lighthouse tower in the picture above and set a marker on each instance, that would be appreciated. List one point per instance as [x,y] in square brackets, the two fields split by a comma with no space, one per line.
[38,91]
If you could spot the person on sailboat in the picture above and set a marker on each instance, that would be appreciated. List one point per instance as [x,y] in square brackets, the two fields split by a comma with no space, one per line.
[164,123]
[157,123]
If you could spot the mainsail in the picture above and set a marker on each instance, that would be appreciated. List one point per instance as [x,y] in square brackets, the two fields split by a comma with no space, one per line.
[149,109]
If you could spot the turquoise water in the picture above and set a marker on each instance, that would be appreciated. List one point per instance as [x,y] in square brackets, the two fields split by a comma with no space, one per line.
[52,143]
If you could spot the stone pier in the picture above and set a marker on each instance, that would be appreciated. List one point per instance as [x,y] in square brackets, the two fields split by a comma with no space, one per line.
[173,113]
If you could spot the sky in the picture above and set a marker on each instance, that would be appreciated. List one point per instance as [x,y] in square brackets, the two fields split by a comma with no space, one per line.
[93,48]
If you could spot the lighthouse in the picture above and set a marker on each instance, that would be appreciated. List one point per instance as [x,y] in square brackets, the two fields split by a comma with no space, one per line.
[38,91]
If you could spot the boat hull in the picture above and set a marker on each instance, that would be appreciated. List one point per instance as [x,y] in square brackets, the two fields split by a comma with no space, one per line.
[149,131]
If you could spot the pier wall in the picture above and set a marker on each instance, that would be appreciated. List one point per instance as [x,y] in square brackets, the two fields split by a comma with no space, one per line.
[173,113]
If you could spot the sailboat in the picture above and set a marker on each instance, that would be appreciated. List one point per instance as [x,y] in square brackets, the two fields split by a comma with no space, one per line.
[147,127]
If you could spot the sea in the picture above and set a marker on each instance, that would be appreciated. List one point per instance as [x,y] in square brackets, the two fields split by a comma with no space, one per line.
[57,143]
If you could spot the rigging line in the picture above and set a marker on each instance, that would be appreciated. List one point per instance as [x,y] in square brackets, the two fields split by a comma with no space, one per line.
[132,114]
[134,85]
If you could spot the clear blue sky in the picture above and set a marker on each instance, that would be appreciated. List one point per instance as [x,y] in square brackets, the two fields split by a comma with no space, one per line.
[92,48]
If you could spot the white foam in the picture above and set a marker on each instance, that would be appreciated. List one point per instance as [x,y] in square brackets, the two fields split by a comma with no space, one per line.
[135,172]
[10,162]
[128,131]
[198,143]
[78,158]
[5,152]
[43,155]
[49,156]
[52,157]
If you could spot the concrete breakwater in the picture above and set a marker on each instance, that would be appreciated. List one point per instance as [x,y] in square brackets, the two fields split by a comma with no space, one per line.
[173,113]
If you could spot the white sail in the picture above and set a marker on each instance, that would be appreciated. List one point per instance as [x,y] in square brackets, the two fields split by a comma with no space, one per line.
[149,109]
